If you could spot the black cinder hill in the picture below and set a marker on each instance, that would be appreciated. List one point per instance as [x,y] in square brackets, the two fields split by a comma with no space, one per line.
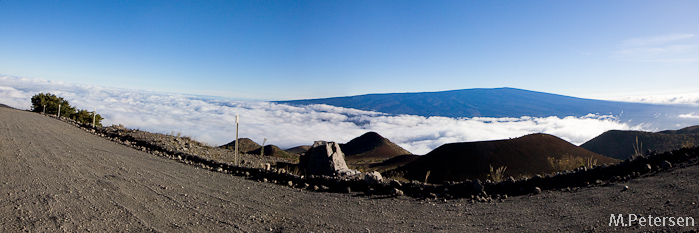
[527,155]
[621,144]
[244,145]
[371,146]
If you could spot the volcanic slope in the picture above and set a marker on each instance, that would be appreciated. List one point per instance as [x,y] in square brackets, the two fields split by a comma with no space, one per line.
[621,144]
[57,178]
[244,145]
[371,146]
[527,155]
[370,149]
[483,102]
[248,146]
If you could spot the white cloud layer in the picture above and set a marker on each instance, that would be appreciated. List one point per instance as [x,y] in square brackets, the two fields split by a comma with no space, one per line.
[689,115]
[691,98]
[213,120]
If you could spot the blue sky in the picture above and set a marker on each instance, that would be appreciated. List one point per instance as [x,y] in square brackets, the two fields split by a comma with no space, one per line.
[279,50]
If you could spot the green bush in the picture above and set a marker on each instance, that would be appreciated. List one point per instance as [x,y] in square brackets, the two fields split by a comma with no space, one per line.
[49,103]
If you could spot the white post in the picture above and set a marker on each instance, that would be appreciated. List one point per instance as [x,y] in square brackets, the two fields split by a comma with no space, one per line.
[94,117]
[44,109]
[59,111]
[236,138]
[262,151]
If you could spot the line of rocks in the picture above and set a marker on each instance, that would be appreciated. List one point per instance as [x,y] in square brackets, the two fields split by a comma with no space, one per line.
[370,185]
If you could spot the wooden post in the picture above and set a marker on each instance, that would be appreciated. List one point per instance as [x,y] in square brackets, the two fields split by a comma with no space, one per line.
[262,151]
[236,138]
[59,111]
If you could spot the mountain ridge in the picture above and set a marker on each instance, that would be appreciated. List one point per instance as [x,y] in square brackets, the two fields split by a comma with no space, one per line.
[475,102]
[509,102]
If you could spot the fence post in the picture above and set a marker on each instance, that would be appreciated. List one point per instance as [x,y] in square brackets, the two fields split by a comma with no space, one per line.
[59,111]
[44,109]
[262,151]
[94,117]
[236,139]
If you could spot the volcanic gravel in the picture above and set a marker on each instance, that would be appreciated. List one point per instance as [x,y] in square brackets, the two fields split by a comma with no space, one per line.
[57,177]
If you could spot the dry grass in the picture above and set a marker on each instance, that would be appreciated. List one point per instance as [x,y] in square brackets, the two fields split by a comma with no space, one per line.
[590,162]
[497,174]
[566,162]
[569,162]
[688,144]
[393,175]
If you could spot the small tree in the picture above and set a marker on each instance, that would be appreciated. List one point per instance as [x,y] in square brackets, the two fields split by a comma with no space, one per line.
[52,102]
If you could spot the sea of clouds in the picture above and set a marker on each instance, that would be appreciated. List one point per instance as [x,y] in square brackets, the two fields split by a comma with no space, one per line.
[690,99]
[212,120]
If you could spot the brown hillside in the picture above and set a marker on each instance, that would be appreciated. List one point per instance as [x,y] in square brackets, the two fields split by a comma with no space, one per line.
[620,144]
[526,155]
[393,163]
[299,150]
[272,150]
[244,146]
[371,147]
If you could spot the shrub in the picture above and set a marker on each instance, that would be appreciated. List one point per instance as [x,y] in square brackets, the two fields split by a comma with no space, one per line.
[49,104]
[566,162]
[497,174]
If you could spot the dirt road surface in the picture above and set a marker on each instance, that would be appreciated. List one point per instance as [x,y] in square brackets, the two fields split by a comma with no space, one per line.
[55,177]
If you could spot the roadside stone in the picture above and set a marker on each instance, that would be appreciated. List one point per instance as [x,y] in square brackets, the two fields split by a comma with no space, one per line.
[537,190]
[396,184]
[477,186]
[666,165]
[397,192]
[372,177]
[325,158]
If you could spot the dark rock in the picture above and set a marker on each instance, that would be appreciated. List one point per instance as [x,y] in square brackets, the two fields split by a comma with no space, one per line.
[537,190]
[397,192]
[396,184]
[372,177]
[431,195]
[477,186]
[666,165]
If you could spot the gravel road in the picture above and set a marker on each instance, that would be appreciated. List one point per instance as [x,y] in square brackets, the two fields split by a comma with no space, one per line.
[57,177]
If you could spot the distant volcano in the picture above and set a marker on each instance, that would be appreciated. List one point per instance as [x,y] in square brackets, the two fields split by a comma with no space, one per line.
[508,102]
